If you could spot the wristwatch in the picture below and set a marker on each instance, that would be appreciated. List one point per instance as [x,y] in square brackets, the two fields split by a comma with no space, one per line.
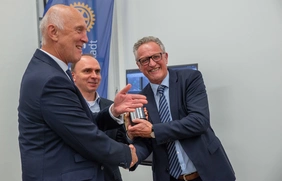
[152,134]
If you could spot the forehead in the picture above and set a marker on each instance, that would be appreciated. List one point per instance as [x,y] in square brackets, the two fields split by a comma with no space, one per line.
[88,62]
[149,48]
[75,19]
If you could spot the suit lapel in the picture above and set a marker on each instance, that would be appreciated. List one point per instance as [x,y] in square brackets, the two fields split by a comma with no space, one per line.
[173,83]
[102,104]
[84,104]
[151,106]
[40,55]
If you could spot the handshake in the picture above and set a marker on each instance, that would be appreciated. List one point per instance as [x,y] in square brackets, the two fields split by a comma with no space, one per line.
[134,119]
[136,125]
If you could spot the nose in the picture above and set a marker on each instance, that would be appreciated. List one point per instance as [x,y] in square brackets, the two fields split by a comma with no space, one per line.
[151,62]
[84,37]
[93,74]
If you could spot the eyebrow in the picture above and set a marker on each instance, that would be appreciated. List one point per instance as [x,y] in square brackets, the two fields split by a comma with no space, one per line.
[79,27]
[91,69]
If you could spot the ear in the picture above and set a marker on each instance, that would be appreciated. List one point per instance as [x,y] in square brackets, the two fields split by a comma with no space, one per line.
[53,32]
[166,57]
[137,64]
[73,76]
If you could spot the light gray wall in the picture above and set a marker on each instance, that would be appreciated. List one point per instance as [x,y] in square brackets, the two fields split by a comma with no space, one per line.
[18,37]
[236,43]
[238,47]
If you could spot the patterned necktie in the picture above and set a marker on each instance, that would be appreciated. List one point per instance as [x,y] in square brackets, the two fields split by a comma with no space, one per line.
[69,74]
[174,167]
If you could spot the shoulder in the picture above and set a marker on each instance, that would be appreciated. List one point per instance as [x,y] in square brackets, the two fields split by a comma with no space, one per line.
[106,101]
[44,77]
[184,74]
[146,90]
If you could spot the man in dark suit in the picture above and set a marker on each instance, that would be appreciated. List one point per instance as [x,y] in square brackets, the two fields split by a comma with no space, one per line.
[198,153]
[59,137]
[87,77]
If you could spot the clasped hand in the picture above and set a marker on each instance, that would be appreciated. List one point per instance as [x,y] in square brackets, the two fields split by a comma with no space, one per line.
[141,127]
[133,155]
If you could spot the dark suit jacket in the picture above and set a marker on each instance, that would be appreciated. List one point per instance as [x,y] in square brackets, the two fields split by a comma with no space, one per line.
[58,136]
[190,125]
[112,173]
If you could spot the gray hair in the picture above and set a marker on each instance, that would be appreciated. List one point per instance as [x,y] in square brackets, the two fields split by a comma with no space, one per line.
[53,16]
[147,39]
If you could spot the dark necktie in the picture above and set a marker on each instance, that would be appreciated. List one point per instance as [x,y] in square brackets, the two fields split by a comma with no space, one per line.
[69,74]
[174,167]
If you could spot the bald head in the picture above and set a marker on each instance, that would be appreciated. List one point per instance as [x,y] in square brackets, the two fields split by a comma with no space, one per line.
[64,32]
[87,76]
[54,16]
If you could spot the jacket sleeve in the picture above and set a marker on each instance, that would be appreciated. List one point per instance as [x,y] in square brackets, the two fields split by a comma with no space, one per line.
[63,112]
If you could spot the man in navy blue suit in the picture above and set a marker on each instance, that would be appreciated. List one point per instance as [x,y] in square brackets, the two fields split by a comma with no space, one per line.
[87,77]
[59,137]
[199,153]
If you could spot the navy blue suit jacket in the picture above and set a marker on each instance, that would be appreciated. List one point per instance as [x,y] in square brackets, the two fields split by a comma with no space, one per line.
[190,125]
[112,173]
[59,138]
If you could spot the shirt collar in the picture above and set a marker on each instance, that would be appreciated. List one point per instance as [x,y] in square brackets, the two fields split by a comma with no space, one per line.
[164,82]
[98,98]
[62,64]
[96,101]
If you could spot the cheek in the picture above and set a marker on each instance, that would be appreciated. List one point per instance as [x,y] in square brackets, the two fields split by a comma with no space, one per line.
[143,71]
[81,79]
[98,78]
[163,64]
[141,68]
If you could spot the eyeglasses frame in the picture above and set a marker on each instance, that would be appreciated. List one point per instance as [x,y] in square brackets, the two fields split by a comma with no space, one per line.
[151,57]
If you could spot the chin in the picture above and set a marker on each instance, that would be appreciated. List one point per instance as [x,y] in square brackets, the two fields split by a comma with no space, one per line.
[93,89]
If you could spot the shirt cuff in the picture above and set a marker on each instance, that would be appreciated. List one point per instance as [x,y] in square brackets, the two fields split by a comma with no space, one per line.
[129,140]
[119,119]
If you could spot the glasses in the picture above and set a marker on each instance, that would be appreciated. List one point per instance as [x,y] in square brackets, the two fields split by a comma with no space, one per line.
[146,60]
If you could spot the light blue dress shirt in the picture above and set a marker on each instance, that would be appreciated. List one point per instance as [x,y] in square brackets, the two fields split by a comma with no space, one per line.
[186,164]
[94,105]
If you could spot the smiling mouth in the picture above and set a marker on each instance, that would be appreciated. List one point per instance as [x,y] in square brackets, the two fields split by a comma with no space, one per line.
[154,70]
[93,83]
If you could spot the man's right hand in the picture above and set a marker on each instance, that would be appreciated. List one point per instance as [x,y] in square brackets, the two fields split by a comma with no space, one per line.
[125,102]
[133,155]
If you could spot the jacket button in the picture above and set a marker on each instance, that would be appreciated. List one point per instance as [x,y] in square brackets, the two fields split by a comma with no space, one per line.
[102,167]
